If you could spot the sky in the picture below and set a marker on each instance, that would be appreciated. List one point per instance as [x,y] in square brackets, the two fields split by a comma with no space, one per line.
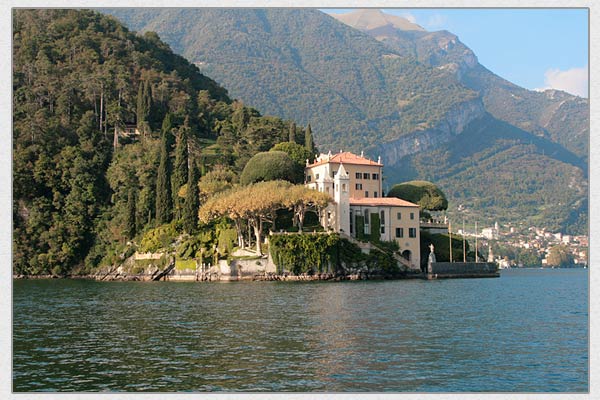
[533,48]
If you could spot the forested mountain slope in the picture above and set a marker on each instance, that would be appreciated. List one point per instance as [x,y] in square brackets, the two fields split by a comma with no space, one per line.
[79,195]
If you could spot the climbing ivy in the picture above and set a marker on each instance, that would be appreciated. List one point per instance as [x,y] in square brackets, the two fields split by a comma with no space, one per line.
[303,253]
[327,253]
[360,227]
[375,228]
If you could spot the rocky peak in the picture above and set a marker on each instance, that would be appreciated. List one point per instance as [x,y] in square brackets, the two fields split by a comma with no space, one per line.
[370,19]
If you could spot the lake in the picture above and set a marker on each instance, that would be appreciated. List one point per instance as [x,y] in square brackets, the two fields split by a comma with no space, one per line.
[526,331]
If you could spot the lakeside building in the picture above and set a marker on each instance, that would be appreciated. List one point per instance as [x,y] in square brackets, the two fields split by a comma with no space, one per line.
[355,183]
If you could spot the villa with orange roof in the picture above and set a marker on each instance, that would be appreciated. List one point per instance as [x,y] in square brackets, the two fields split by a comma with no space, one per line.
[355,183]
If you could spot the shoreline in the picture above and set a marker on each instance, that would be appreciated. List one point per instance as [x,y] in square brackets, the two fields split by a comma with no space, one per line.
[255,278]
[265,278]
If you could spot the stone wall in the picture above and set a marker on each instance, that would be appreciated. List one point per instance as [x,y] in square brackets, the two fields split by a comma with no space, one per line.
[462,270]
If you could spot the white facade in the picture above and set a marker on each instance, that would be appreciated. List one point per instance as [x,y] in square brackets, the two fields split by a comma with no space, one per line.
[355,184]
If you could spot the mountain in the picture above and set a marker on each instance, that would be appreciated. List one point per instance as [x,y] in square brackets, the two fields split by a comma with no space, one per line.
[377,23]
[390,88]
[552,114]
[353,90]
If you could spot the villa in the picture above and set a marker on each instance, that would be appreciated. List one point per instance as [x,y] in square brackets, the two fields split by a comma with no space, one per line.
[355,183]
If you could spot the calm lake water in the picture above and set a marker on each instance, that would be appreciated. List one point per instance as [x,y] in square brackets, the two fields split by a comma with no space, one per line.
[526,331]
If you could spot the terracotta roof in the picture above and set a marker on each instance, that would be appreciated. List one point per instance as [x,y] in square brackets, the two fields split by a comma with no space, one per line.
[345,158]
[382,201]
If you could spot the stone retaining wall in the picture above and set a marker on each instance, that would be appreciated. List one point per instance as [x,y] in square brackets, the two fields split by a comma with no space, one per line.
[462,270]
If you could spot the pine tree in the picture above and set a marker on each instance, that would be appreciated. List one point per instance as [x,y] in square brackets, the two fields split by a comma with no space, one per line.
[180,169]
[192,202]
[163,186]
[131,212]
[308,139]
[292,134]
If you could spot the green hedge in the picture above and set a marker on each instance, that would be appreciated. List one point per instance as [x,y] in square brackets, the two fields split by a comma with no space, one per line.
[327,253]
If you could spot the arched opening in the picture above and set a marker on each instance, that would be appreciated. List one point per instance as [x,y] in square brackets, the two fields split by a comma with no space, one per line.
[406,254]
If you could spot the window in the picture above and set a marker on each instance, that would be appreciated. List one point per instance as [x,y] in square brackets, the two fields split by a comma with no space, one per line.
[359,186]
[343,187]
[366,216]
[366,175]
[412,215]
[316,176]
[366,193]
[358,175]
[399,232]
[382,219]
[399,216]
[412,232]
[375,177]
[375,194]
[308,177]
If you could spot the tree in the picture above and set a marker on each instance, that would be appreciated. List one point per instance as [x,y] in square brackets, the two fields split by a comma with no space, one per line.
[292,134]
[427,195]
[559,256]
[270,166]
[180,168]
[308,139]
[192,202]
[257,204]
[164,204]
[297,152]
[302,199]
[143,107]
[221,178]
[131,213]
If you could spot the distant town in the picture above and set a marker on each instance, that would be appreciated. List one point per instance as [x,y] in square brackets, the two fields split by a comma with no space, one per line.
[508,243]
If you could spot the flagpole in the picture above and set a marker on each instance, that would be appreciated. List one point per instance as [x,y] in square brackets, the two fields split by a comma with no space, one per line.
[475,241]
[464,243]
[450,233]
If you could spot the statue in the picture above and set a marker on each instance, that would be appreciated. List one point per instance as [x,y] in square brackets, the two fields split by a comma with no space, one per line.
[431,259]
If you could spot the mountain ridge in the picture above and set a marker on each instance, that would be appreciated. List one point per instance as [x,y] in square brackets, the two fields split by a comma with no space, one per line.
[361,92]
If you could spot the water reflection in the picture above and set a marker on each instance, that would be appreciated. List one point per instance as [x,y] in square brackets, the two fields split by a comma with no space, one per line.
[507,334]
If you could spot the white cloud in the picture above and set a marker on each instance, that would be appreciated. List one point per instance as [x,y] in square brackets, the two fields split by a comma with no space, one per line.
[574,80]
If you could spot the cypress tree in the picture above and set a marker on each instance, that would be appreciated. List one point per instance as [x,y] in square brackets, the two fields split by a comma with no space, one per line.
[167,124]
[292,134]
[163,186]
[148,99]
[131,212]
[192,201]
[308,139]
[180,169]
[167,130]
[141,111]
